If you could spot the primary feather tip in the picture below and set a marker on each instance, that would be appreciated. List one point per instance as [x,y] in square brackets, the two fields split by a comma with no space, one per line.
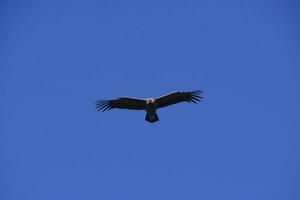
[103,105]
[195,96]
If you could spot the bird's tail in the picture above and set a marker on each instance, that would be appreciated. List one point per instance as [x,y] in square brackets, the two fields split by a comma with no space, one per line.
[151,117]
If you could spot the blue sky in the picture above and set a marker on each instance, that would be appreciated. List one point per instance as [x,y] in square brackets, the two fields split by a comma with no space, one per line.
[58,57]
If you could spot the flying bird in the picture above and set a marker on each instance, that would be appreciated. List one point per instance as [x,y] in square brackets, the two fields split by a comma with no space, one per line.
[150,105]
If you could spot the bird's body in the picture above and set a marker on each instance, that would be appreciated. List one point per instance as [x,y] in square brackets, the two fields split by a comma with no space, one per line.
[150,105]
[151,115]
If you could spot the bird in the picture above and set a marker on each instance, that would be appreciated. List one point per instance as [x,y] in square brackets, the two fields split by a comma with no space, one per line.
[150,105]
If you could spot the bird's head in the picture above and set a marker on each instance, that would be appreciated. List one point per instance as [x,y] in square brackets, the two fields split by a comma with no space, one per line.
[150,101]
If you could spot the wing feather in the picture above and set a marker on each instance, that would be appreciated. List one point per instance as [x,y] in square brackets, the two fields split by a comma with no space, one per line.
[177,97]
[121,103]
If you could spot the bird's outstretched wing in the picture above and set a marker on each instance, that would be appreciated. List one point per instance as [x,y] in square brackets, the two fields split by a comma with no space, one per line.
[177,97]
[121,103]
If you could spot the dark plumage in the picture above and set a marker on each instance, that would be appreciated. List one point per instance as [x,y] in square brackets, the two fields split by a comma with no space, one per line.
[150,105]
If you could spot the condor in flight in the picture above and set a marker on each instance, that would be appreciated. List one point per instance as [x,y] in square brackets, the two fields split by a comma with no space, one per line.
[150,105]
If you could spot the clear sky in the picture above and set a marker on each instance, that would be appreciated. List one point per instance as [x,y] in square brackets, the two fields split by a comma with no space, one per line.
[58,57]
